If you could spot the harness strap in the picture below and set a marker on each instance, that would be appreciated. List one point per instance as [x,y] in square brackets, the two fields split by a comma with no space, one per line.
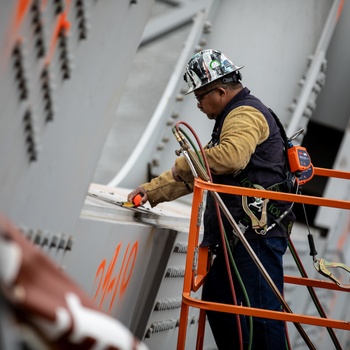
[261,206]
[261,225]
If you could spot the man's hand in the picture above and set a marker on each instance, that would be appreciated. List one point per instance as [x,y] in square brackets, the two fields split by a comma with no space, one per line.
[175,174]
[139,190]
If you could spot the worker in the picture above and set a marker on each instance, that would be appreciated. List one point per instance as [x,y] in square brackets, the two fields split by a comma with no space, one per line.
[246,149]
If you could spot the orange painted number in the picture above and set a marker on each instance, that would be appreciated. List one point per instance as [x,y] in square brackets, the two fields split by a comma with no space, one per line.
[113,281]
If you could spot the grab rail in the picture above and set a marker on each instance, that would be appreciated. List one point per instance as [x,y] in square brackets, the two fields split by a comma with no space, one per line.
[197,261]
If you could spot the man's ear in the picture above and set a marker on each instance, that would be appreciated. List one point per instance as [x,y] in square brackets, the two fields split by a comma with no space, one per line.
[222,91]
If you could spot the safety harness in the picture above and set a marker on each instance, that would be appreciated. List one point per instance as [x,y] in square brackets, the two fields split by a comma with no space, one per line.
[256,209]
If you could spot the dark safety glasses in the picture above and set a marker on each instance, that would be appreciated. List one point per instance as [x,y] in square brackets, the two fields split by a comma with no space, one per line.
[200,97]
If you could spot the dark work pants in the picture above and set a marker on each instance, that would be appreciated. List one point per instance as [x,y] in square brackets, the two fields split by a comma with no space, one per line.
[267,333]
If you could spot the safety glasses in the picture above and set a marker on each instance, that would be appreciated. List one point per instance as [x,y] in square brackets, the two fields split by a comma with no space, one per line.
[200,97]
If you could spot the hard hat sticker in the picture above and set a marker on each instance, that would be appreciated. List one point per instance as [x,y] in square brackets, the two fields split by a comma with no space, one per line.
[214,64]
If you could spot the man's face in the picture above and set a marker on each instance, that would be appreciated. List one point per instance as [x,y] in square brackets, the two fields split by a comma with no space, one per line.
[209,101]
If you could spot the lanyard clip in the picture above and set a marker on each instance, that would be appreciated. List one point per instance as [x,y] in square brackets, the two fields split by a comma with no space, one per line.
[322,265]
[260,206]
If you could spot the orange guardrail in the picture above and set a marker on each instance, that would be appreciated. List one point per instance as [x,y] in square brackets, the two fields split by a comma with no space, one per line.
[197,261]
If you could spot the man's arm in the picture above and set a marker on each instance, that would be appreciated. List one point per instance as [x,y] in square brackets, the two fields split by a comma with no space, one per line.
[244,128]
[162,189]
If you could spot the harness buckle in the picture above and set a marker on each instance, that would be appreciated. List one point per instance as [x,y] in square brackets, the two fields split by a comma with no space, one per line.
[261,232]
[257,204]
[259,225]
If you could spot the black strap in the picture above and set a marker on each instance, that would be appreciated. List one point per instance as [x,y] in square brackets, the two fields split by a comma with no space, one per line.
[284,137]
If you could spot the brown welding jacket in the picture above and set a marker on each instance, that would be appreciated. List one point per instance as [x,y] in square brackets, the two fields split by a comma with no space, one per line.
[246,138]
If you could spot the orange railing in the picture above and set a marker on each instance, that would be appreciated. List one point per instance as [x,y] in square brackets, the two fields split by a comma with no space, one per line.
[197,261]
